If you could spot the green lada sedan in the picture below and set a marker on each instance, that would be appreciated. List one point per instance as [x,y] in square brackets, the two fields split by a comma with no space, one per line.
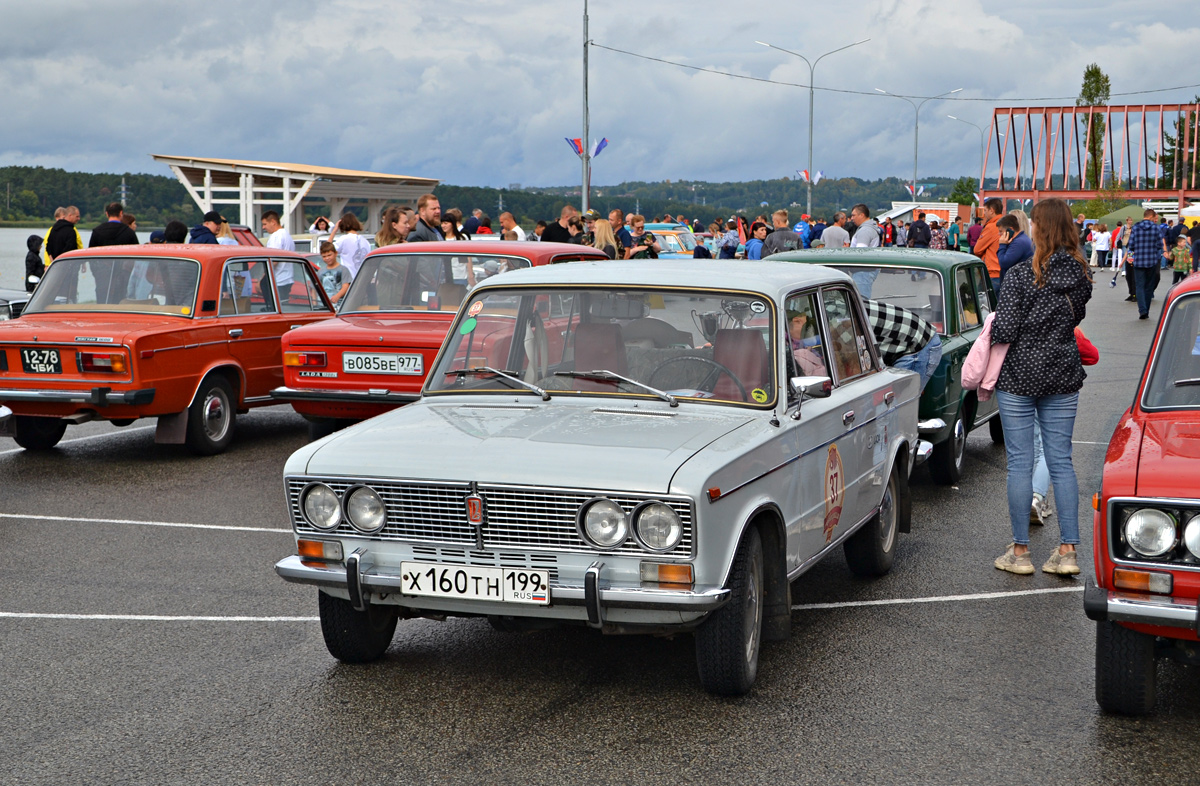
[952,291]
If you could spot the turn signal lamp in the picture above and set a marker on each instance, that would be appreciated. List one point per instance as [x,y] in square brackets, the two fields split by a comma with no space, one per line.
[667,573]
[109,362]
[1096,501]
[1142,581]
[304,358]
[320,549]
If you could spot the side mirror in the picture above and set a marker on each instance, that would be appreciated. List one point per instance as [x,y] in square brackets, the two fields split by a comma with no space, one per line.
[812,387]
[34,279]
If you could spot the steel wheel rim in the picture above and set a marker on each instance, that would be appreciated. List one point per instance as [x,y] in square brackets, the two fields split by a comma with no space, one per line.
[887,516]
[215,414]
[960,442]
[753,609]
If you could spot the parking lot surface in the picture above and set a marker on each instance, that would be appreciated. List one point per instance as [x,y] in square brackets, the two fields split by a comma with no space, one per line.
[145,638]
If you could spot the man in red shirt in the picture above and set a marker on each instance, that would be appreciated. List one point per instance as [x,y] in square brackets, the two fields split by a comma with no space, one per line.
[989,239]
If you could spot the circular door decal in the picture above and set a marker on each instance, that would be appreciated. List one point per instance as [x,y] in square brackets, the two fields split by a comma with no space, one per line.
[759,395]
[467,326]
[475,308]
[835,490]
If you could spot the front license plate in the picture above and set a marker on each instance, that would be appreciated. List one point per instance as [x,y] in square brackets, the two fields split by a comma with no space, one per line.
[377,363]
[471,583]
[41,361]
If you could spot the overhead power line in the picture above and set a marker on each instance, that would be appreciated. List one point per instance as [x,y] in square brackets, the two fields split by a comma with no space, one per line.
[872,94]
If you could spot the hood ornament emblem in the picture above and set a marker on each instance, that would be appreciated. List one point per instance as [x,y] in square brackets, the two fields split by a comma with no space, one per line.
[476,513]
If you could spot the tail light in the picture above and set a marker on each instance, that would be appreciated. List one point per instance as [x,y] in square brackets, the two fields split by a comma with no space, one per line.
[304,359]
[104,362]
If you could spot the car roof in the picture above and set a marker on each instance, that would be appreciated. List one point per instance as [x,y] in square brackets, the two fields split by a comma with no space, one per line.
[533,250]
[776,278]
[202,252]
[888,257]
[1187,286]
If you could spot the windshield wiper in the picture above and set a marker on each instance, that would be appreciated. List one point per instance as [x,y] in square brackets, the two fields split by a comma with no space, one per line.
[507,375]
[608,376]
[1179,383]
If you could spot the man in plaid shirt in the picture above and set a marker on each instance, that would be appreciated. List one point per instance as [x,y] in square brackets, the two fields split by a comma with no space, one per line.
[1145,251]
[904,339]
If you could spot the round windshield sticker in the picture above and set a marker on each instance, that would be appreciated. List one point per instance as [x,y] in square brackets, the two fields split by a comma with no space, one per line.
[835,490]
[759,395]
[467,326]
[475,308]
[185,311]
[758,306]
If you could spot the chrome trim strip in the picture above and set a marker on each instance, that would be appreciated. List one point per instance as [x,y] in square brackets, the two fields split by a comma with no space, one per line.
[98,395]
[1147,502]
[354,396]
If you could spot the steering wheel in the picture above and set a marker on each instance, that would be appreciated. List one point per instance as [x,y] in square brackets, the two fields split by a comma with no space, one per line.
[718,369]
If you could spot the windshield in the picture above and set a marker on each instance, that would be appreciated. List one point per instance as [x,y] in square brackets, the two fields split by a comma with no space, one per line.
[125,284]
[915,289]
[421,282]
[686,344]
[1175,371]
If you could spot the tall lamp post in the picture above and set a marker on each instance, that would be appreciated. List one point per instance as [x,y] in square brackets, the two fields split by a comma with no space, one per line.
[980,130]
[585,147]
[917,126]
[811,67]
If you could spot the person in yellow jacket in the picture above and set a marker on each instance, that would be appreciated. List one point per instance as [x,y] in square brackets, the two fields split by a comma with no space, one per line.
[65,218]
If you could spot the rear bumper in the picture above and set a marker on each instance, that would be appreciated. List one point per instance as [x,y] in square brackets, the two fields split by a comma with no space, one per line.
[1101,604]
[100,397]
[344,396]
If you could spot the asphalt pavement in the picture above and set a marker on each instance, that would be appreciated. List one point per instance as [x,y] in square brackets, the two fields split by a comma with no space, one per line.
[144,638]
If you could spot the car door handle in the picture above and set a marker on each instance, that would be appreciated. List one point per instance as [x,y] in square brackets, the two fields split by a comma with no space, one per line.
[889,397]
[848,418]
[235,333]
[293,327]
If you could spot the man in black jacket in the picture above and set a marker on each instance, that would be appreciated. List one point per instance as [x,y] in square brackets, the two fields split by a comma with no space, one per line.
[62,236]
[114,231]
[429,220]
[919,234]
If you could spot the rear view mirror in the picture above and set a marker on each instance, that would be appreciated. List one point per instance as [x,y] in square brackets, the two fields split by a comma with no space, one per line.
[812,387]
[616,307]
[33,279]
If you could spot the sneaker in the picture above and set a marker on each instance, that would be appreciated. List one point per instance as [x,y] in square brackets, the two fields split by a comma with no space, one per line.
[1014,563]
[1039,511]
[1062,564]
[1131,299]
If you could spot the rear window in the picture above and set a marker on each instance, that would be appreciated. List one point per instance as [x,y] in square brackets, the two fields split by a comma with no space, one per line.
[154,285]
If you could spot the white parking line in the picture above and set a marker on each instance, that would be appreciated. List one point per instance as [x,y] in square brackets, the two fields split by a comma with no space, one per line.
[85,439]
[1081,442]
[150,617]
[933,599]
[142,523]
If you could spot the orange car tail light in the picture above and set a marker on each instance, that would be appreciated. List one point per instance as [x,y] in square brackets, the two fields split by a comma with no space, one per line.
[109,362]
[304,359]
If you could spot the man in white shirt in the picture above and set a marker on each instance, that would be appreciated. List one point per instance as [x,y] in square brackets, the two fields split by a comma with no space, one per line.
[835,235]
[509,224]
[867,233]
[279,238]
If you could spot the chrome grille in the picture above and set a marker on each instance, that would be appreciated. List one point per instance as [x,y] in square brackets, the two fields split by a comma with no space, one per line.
[517,517]
[489,559]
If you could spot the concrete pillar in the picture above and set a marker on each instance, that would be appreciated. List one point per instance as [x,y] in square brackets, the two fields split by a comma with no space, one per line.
[374,212]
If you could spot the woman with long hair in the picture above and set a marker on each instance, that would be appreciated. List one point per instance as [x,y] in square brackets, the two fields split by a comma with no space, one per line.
[451,220]
[605,239]
[394,229]
[225,236]
[1101,242]
[1041,303]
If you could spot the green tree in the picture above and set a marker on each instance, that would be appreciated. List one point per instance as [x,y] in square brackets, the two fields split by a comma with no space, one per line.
[1094,92]
[1107,200]
[963,192]
[26,201]
[1175,166]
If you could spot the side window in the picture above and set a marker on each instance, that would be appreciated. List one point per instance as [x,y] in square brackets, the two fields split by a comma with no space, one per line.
[249,284]
[228,303]
[984,300]
[968,311]
[808,350]
[295,289]
[849,343]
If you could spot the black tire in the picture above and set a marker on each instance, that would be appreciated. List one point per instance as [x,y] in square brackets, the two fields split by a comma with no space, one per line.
[947,460]
[355,636]
[996,428]
[872,550]
[38,433]
[729,641]
[1125,670]
[122,422]
[212,417]
[319,428]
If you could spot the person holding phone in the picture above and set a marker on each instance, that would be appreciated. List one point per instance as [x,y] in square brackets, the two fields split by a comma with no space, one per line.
[1015,246]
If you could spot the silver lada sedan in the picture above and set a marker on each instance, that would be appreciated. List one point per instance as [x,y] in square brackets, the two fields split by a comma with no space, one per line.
[642,447]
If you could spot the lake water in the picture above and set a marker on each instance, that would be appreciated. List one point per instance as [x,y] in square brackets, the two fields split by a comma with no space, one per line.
[13,250]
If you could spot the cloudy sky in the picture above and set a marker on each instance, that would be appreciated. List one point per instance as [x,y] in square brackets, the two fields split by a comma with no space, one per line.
[483,92]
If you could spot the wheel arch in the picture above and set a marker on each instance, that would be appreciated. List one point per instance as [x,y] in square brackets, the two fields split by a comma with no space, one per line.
[768,519]
[233,374]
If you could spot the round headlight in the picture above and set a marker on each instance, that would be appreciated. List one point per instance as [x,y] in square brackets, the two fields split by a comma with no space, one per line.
[321,506]
[365,510]
[1150,532]
[658,527]
[604,523]
[1191,536]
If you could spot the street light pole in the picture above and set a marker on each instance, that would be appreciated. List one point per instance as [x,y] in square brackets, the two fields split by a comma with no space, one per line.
[917,126]
[980,130]
[811,68]
[585,148]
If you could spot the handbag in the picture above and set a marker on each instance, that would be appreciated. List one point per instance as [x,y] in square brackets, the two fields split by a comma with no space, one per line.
[1088,354]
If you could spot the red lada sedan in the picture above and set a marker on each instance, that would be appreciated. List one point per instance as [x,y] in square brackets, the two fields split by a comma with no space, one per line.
[391,323]
[188,334]
[1147,520]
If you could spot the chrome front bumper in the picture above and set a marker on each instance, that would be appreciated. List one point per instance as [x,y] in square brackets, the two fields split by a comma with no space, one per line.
[1100,604]
[345,396]
[931,426]
[100,397]
[360,578]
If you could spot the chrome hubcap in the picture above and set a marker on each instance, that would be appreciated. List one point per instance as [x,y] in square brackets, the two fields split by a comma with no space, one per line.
[960,441]
[753,610]
[887,516]
[216,415]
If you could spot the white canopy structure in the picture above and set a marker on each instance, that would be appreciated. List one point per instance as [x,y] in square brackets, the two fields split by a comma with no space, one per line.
[287,188]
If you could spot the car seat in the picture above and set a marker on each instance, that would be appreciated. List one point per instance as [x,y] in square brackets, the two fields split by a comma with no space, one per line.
[744,353]
[599,345]
[450,296]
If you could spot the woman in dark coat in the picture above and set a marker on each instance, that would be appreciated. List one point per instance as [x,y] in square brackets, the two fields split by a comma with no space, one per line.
[1041,303]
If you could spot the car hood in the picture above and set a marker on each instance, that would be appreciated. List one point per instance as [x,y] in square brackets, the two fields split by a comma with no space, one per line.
[1170,455]
[584,443]
[426,331]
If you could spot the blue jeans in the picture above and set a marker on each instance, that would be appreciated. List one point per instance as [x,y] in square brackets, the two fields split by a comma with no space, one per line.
[1055,415]
[1145,280]
[924,361]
